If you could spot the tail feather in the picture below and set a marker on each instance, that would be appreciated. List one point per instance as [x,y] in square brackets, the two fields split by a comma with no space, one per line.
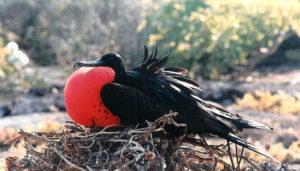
[231,120]
[250,124]
[235,139]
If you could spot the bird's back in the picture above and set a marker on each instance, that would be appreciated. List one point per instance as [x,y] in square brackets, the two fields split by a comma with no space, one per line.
[178,96]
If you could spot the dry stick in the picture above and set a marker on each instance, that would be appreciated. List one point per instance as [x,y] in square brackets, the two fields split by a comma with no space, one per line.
[33,152]
[214,148]
[247,160]
[229,153]
[13,140]
[72,165]
[133,160]
[33,137]
[88,147]
[223,162]
[154,148]
[215,165]
[57,169]
[185,161]
[123,148]
[192,149]
[105,128]
[93,136]
[89,168]
[236,157]
[239,162]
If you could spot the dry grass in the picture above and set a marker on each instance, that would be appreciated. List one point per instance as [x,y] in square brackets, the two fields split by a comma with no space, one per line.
[10,132]
[286,155]
[279,102]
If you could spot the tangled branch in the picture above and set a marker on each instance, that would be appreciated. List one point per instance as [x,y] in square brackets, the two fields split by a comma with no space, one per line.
[151,147]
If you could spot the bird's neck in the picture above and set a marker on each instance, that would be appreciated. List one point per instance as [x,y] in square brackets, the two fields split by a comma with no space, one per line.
[120,75]
[128,79]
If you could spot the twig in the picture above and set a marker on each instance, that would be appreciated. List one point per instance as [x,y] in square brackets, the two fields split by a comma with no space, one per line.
[236,156]
[239,162]
[215,165]
[58,166]
[230,156]
[72,165]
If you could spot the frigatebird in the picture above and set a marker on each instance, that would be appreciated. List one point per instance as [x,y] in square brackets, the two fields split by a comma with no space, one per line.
[104,92]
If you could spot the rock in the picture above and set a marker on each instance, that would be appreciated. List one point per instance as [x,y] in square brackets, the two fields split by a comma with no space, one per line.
[286,139]
[268,166]
[279,57]
[221,92]
[36,100]
[39,92]
[59,102]
[4,111]
[29,122]
[29,104]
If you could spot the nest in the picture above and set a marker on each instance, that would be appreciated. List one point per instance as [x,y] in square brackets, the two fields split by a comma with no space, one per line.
[150,147]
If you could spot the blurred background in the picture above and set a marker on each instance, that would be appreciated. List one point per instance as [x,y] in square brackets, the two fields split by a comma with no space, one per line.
[245,54]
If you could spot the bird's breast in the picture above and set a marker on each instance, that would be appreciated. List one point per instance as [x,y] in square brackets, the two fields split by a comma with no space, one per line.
[82,96]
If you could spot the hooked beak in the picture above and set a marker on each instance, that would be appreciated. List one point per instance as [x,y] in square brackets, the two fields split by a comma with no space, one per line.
[93,63]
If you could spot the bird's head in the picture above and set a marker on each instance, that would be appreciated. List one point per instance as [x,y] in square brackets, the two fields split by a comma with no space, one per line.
[112,60]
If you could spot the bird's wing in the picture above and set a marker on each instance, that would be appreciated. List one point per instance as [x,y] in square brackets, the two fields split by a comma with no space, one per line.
[130,104]
[171,87]
[134,106]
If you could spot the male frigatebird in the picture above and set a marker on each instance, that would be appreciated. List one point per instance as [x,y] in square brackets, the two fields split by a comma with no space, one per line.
[103,92]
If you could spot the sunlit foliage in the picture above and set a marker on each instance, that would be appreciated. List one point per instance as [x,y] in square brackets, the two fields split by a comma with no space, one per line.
[279,102]
[281,153]
[219,35]
[14,76]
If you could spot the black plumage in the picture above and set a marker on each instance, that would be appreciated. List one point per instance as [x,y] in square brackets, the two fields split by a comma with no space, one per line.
[149,91]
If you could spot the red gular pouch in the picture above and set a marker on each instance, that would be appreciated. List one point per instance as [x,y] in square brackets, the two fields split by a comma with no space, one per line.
[82,97]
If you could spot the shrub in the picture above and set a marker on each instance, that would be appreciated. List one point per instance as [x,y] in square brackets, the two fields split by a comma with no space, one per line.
[215,36]
[15,75]
[62,32]
[279,102]
[29,28]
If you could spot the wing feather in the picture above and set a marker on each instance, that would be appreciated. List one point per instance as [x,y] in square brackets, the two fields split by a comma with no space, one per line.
[170,88]
[131,104]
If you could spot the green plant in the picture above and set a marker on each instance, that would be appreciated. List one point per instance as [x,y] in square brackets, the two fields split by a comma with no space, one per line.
[13,77]
[63,32]
[212,37]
